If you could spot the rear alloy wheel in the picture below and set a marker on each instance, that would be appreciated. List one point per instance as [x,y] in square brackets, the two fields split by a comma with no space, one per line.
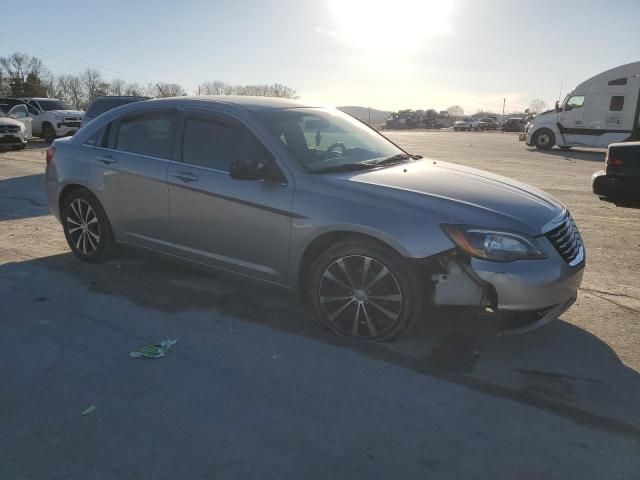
[544,139]
[48,133]
[364,291]
[86,226]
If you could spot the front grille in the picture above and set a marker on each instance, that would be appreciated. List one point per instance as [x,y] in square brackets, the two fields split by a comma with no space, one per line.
[72,124]
[567,241]
[9,129]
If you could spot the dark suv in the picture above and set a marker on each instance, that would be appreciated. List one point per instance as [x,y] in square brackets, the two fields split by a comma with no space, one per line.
[7,103]
[514,125]
[103,104]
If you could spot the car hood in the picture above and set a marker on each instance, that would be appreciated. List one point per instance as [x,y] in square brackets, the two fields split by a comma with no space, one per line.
[70,113]
[459,194]
[9,121]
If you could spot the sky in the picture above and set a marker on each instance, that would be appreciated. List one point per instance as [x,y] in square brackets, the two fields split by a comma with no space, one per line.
[389,55]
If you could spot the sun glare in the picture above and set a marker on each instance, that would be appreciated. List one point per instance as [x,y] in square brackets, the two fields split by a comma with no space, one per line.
[390,24]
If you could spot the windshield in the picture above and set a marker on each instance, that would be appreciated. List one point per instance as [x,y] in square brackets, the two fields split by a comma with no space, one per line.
[48,105]
[327,139]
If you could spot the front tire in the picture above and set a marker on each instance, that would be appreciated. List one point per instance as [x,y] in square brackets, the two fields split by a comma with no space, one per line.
[86,226]
[48,133]
[544,139]
[363,290]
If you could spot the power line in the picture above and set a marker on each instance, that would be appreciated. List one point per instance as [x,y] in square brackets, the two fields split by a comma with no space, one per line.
[70,60]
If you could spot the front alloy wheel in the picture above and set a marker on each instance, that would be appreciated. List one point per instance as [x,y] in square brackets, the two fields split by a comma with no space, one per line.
[365,292]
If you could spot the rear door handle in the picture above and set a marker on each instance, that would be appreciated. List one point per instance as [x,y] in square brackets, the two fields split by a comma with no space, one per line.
[185,176]
[106,159]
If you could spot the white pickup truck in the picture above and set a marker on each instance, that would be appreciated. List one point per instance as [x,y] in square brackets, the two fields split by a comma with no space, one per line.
[51,118]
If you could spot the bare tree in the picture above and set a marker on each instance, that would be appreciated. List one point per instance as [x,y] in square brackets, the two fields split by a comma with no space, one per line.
[116,87]
[134,90]
[215,87]
[455,111]
[162,90]
[262,90]
[93,84]
[537,105]
[25,74]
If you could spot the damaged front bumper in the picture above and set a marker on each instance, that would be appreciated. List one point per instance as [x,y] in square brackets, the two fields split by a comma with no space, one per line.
[517,296]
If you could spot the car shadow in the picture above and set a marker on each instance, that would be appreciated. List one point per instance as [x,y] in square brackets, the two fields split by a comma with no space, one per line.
[537,369]
[22,197]
[586,154]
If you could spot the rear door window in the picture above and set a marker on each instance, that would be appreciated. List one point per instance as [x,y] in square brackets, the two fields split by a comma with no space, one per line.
[148,133]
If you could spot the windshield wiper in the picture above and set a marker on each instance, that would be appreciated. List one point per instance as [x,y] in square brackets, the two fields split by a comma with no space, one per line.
[401,157]
[347,167]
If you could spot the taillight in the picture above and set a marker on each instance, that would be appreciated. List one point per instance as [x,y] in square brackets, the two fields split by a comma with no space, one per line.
[50,153]
[612,161]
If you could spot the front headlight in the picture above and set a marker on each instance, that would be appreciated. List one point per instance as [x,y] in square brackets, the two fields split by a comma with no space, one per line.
[22,127]
[496,245]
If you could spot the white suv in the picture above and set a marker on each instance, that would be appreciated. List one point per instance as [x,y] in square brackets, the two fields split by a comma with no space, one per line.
[51,118]
[467,123]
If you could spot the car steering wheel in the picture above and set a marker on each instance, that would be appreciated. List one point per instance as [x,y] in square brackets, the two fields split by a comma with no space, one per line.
[336,145]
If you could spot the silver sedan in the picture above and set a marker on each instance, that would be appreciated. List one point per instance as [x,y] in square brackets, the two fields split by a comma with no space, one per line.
[316,202]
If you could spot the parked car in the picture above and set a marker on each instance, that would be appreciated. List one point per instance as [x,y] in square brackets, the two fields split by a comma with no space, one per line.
[514,125]
[488,123]
[12,132]
[100,105]
[52,118]
[620,179]
[7,103]
[466,123]
[601,110]
[316,202]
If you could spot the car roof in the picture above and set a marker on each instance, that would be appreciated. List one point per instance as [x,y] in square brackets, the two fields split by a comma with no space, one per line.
[246,102]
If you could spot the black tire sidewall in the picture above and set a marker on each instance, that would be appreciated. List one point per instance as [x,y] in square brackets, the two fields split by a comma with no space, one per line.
[552,139]
[48,133]
[106,237]
[408,281]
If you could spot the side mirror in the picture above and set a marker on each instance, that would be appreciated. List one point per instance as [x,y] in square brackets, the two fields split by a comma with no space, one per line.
[251,170]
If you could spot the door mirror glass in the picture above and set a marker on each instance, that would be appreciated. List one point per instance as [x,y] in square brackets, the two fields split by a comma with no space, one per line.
[249,170]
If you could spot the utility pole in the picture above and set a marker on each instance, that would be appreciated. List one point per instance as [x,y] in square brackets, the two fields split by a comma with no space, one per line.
[504,101]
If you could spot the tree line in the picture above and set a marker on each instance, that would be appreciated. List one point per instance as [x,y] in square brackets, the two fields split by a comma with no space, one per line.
[22,75]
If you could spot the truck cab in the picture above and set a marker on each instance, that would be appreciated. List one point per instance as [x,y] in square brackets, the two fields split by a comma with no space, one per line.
[51,118]
[598,112]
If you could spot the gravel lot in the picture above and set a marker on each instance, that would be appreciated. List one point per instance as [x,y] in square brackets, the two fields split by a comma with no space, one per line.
[255,389]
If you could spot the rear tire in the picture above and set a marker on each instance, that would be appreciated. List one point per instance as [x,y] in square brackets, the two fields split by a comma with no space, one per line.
[544,139]
[48,133]
[364,290]
[86,226]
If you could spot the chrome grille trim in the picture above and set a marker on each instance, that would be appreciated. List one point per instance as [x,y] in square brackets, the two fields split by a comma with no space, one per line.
[567,241]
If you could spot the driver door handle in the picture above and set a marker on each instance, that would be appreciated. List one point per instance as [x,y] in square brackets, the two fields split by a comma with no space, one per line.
[106,159]
[185,176]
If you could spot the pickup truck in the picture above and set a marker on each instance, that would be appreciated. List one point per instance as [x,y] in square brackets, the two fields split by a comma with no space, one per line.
[620,179]
[51,118]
